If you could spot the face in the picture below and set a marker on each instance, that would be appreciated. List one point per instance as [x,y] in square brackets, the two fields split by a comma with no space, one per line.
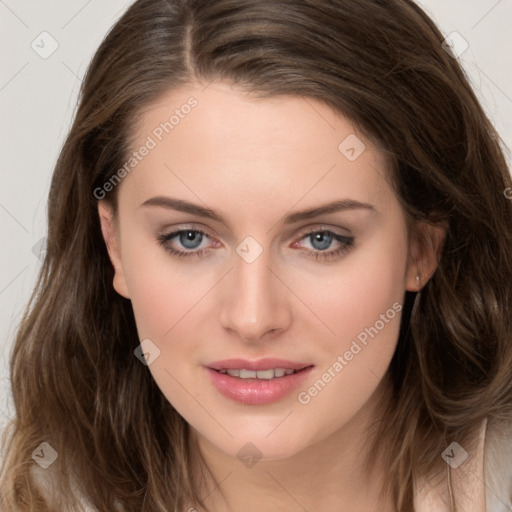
[260,229]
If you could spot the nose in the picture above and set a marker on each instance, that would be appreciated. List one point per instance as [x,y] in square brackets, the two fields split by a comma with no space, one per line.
[255,303]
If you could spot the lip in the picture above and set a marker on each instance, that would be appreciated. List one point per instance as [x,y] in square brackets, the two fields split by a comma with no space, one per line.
[257,391]
[261,364]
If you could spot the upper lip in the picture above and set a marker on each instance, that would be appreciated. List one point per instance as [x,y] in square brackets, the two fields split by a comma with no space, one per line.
[261,364]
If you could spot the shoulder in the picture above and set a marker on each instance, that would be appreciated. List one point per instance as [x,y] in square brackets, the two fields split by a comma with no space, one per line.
[498,468]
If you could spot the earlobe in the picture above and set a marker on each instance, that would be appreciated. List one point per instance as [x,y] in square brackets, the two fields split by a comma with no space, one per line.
[110,236]
[426,249]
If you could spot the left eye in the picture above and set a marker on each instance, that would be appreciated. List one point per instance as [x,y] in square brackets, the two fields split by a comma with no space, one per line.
[321,240]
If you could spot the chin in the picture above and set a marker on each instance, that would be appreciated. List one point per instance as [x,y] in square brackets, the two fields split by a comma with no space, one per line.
[262,443]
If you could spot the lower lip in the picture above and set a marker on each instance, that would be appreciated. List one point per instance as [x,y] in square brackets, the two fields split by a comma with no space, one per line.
[257,391]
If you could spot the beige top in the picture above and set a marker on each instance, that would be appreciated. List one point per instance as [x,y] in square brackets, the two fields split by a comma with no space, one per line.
[479,481]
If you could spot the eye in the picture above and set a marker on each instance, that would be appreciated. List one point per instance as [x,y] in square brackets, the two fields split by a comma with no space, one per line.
[321,240]
[189,239]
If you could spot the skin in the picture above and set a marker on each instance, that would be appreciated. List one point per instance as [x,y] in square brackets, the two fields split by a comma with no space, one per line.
[255,161]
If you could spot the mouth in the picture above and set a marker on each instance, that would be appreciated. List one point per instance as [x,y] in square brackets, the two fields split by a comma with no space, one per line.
[258,382]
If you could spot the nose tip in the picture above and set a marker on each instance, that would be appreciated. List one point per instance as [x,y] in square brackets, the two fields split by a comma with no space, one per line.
[252,321]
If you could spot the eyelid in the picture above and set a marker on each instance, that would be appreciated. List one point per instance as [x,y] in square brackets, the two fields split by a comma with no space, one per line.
[344,232]
[174,230]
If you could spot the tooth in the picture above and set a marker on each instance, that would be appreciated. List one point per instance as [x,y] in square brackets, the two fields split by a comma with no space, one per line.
[247,374]
[260,374]
[266,374]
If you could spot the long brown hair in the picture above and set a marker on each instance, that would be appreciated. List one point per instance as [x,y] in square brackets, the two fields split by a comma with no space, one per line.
[75,381]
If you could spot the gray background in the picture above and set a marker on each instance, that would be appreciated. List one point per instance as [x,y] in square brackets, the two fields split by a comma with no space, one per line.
[38,97]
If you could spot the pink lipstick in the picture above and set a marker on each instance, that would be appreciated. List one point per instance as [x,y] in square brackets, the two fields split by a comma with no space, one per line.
[259,382]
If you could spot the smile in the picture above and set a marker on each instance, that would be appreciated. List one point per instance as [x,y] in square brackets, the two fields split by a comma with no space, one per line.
[257,387]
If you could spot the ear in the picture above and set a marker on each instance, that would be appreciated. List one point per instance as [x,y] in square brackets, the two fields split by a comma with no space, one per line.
[111,237]
[425,250]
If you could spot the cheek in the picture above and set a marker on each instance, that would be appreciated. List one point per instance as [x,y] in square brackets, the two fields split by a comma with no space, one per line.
[166,300]
[363,306]
[163,291]
[353,295]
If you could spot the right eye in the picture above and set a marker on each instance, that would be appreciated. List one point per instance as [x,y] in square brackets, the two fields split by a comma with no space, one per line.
[188,239]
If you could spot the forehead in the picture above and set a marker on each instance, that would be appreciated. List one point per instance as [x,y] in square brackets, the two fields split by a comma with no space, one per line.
[224,146]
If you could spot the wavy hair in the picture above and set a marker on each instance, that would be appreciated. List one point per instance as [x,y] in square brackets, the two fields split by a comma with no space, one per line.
[75,381]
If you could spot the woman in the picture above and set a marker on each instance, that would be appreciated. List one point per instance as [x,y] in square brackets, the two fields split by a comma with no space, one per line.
[277,276]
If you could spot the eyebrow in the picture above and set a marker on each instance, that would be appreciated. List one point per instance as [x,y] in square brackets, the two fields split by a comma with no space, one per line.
[201,211]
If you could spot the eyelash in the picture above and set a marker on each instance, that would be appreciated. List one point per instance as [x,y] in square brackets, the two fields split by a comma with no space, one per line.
[346,241]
